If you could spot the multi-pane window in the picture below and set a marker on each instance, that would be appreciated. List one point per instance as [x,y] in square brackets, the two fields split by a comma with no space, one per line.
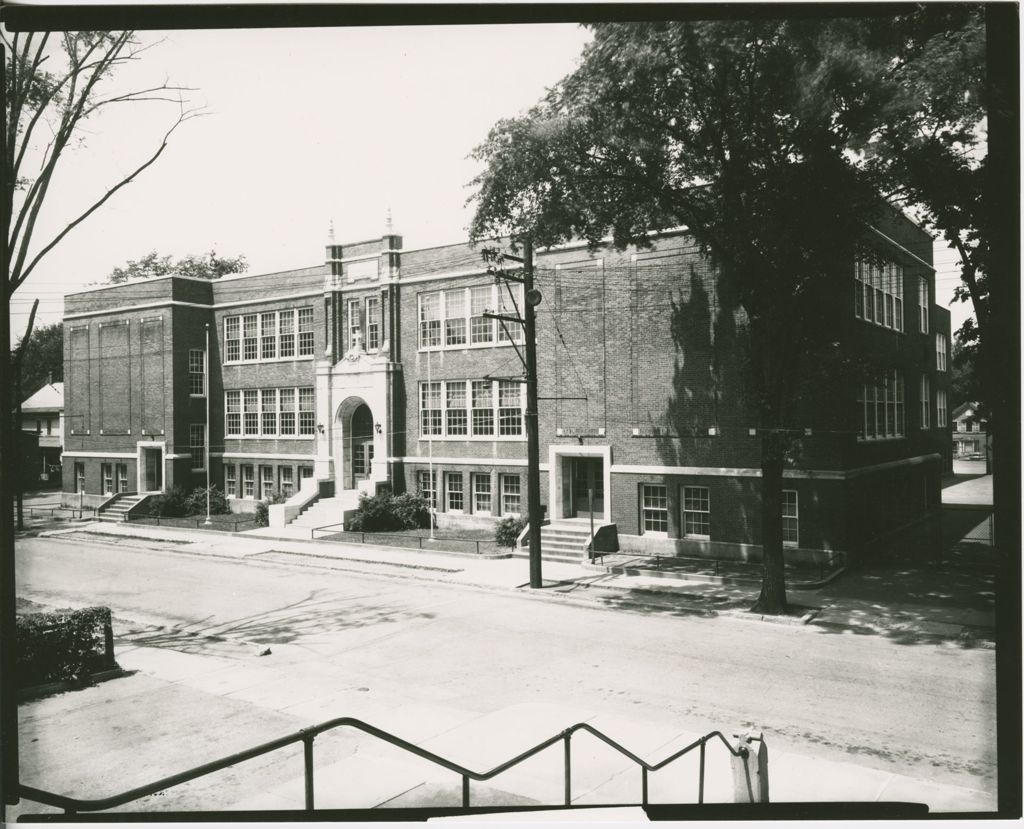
[307,417]
[269,412]
[483,407]
[926,402]
[790,518]
[453,491]
[697,511]
[266,482]
[372,323]
[286,479]
[878,292]
[881,407]
[455,408]
[940,352]
[922,302]
[305,332]
[511,499]
[305,472]
[107,474]
[248,481]
[79,477]
[269,335]
[430,408]
[232,339]
[196,372]
[461,310]
[941,417]
[481,493]
[654,504]
[430,320]
[122,477]
[428,487]
[444,413]
[197,445]
[355,322]
[230,481]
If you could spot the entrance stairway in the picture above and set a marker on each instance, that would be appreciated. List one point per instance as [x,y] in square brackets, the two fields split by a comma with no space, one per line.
[117,510]
[328,512]
[561,541]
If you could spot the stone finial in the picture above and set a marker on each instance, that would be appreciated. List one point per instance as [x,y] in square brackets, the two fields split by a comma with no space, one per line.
[389,227]
[330,231]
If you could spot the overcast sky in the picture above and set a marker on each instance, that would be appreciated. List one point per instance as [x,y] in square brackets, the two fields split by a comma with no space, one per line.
[304,126]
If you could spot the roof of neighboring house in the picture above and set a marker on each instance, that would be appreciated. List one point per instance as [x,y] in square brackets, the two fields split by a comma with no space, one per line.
[964,409]
[50,398]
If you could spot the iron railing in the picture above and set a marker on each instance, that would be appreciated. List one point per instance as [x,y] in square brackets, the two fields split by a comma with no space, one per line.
[306,736]
[49,511]
[360,537]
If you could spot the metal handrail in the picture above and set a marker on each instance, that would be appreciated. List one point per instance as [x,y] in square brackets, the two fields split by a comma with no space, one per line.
[306,736]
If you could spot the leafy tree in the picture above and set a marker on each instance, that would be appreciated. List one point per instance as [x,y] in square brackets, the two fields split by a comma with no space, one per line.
[964,381]
[43,357]
[207,266]
[54,82]
[746,133]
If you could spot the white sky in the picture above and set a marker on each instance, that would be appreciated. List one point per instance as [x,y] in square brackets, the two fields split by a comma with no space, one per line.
[305,126]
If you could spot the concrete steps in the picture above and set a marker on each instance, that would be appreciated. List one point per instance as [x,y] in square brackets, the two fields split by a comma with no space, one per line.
[561,542]
[117,511]
[328,512]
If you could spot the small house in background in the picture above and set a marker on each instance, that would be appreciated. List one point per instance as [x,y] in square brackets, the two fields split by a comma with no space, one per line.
[43,415]
[970,433]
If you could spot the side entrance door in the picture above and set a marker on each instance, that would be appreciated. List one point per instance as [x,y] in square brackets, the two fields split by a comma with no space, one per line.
[587,474]
[152,463]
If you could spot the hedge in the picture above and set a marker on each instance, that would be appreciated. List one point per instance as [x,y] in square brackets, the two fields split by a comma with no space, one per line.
[63,645]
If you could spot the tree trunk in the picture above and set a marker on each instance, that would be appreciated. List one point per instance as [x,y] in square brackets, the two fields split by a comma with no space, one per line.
[772,600]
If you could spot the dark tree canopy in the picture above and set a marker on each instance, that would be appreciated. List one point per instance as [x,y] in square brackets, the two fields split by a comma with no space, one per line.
[206,266]
[42,357]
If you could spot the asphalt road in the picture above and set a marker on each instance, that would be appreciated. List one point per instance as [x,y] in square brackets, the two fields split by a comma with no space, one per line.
[923,710]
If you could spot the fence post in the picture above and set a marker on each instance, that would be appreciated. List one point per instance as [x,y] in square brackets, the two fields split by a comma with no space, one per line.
[750,770]
[307,751]
[465,791]
[568,769]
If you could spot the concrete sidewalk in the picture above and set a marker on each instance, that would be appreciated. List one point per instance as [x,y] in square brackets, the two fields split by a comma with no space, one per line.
[946,611]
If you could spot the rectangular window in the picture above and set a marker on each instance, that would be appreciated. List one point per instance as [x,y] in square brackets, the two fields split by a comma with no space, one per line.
[455,409]
[430,408]
[878,291]
[511,501]
[510,407]
[880,407]
[941,418]
[654,506]
[286,334]
[233,408]
[453,491]
[286,479]
[232,339]
[697,511]
[430,320]
[268,408]
[251,413]
[922,302]
[940,352]
[250,337]
[481,493]
[79,477]
[196,372]
[248,481]
[305,332]
[790,518]
[268,336]
[455,317]
[428,487]
[925,402]
[122,477]
[107,474]
[305,472]
[230,481]
[481,328]
[510,304]
[286,399]
[266,482]
[307,417]
[197,445]
[372,323]
[483,407]
[355,322]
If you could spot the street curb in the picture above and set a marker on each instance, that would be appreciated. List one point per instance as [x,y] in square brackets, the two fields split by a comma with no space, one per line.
[699,578]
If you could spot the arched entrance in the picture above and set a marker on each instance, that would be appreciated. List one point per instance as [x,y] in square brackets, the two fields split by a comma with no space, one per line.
[355,435]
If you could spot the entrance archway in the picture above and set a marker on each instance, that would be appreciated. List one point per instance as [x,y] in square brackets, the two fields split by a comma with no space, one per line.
[354,452]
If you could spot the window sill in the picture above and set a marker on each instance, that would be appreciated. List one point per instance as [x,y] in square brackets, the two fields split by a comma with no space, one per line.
[268,360]
[474,438]
[472,347]
[269,437]
[891,439]
[694,537]
[654,534]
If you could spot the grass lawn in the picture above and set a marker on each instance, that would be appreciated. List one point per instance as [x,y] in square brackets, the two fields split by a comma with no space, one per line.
[456,541]
[225,523]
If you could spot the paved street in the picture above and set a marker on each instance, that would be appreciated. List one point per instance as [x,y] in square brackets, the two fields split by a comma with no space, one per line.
[343,641]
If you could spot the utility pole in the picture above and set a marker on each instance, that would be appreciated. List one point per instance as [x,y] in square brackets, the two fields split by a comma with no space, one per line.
[532,438]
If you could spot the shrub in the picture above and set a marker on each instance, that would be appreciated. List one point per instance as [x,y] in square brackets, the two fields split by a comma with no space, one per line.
[172,504]
[62,645]
[263,509]
[196,502]
[507,531]
[384,512]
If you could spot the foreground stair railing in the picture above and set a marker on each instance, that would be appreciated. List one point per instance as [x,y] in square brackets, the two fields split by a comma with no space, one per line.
[306,736]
